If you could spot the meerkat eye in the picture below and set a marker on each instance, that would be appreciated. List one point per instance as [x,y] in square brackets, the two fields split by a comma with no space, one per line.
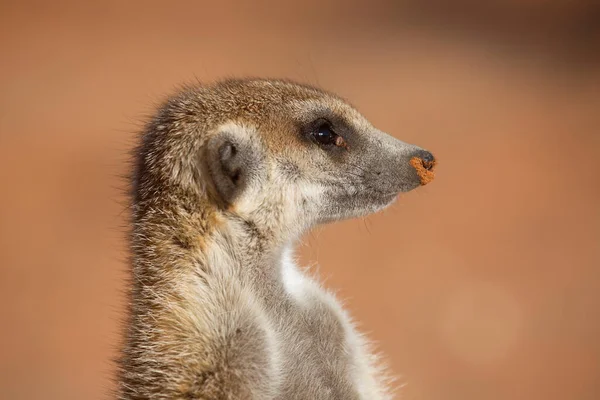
[324,135]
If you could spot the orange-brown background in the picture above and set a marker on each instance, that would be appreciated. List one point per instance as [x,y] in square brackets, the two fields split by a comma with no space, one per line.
[483,285]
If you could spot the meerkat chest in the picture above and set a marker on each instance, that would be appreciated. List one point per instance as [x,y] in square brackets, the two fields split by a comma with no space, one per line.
[316,342]
[312,311]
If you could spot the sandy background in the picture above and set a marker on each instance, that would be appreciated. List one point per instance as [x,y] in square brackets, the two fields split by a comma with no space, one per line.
[483,285]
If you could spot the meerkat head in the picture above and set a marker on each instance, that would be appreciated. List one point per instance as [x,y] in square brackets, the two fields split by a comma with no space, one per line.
[281,155]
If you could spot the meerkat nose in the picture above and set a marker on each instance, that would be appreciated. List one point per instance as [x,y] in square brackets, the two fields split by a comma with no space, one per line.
[424,163]
[427,159]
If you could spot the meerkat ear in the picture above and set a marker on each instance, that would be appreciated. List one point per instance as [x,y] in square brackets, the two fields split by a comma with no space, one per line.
[232,162]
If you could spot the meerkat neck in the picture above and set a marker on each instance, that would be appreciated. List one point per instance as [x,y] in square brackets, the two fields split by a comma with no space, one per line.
[168,241]
[179,251]
[257,252]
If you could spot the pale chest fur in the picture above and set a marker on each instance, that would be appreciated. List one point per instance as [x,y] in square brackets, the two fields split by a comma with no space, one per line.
[314,350]
[325,356]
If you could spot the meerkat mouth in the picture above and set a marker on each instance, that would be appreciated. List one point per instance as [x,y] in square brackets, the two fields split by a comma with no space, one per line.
[425,169]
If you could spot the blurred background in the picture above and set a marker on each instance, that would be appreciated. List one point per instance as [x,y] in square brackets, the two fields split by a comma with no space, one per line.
[483,285]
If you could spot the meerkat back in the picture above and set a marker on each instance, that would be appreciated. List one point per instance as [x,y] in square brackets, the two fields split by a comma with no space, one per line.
[228,176]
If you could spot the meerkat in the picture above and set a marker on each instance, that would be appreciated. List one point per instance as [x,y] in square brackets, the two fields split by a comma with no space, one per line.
[228,176]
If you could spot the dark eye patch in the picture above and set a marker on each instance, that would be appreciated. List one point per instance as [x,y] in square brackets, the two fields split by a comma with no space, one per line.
[328,133]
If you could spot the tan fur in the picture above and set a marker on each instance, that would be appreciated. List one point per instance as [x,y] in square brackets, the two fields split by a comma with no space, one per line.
[226,179]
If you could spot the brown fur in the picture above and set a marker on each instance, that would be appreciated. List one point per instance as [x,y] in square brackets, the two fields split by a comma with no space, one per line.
[216,311]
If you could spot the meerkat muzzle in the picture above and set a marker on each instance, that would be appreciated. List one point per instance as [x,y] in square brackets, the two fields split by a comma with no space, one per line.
[424,165]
